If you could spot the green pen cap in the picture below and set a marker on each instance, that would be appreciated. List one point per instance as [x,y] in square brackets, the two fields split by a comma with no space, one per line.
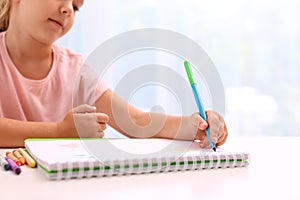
[189,72]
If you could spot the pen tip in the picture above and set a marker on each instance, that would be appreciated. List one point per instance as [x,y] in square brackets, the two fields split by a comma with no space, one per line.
[214,149]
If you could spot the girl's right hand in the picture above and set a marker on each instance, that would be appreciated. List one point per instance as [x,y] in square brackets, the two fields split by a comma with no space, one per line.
[84,122]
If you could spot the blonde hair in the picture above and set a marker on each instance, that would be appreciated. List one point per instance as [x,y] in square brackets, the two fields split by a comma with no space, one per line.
[4,14]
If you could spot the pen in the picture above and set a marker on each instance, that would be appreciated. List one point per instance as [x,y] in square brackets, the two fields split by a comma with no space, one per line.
[198,100]
[13,166]
[4,163]
[29,160]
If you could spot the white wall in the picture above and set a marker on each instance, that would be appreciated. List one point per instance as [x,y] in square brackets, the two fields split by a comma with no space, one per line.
[254,44]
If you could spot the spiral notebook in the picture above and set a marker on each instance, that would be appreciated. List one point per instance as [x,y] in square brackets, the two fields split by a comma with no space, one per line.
[80,158]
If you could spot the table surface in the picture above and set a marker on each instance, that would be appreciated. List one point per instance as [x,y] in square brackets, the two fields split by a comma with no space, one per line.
[273,173]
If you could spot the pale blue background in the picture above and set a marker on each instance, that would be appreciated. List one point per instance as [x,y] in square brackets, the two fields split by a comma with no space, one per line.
[255,45]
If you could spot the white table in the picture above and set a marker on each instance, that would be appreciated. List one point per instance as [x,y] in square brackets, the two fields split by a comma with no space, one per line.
[273,173]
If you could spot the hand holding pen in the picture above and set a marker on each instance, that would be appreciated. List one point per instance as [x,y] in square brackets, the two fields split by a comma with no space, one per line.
[216,130]
[217,127]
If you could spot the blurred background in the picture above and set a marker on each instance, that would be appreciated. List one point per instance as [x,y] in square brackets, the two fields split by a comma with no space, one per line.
[254,44]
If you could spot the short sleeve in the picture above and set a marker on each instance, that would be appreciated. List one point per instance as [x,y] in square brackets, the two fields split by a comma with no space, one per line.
[89,87]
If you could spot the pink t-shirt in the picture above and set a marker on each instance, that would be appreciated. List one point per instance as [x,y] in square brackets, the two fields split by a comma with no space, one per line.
[69,83]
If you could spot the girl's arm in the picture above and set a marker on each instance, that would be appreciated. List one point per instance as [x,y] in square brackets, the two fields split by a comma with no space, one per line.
[14,132]
[133,122]
[81,121]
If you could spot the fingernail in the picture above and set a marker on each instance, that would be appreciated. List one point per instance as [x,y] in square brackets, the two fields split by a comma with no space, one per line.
[201,144]
[203,125]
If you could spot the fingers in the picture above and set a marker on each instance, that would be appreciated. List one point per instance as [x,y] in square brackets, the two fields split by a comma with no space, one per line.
[201,135]
[202,123]
[223,136]
[84,109]
[88,122]
[102,119]
[204,143]
[100,134]
[217,128]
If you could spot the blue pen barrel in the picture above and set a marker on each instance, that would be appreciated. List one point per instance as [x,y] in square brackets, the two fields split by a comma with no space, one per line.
[199,102]
[202,113]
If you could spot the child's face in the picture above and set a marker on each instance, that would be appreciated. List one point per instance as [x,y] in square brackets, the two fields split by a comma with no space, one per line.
[45,20]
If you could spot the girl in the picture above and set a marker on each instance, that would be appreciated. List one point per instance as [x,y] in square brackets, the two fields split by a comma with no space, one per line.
[40,83]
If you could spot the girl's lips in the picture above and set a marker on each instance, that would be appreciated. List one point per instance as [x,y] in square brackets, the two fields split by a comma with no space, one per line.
[56,22]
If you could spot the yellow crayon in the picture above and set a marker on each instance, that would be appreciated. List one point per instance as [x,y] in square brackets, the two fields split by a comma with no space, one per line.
[19,156]
[29,160]
[14,158]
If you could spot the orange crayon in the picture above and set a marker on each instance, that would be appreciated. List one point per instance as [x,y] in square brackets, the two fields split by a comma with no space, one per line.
[29,160]
[19,156]
[14,158]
